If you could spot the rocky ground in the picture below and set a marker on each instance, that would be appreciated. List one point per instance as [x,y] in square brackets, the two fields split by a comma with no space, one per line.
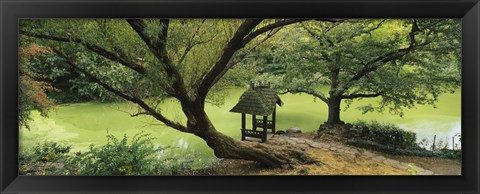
[337,158]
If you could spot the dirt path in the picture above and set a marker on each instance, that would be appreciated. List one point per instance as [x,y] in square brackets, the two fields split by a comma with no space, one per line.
[350,159]
[438,165]
[340,159]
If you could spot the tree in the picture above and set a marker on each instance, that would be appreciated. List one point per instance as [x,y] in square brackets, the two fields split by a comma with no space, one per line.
[32,91]
[182,59]
[73,86]
[403,62]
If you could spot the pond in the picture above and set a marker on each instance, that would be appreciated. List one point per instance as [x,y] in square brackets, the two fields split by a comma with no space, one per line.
[82,124]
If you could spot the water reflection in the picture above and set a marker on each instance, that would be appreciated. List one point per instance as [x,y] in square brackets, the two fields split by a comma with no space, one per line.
[182,143]
[441,132]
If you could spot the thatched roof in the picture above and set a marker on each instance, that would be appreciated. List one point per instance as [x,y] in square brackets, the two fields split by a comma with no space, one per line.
[259,100]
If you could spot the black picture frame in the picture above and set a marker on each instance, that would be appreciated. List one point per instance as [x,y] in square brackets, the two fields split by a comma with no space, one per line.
[12,10]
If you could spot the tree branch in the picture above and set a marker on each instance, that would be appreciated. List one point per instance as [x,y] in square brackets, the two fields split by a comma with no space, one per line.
[138,101]
[238,58]
[352,96]
[235,43]
[391,56]
[313,93]
[368,31]
[269,27]
[242,36]
[190,47]
[140,113]
[104,30]
[157,46]
[330,20]
[269,35]
[192,43]
[92,47]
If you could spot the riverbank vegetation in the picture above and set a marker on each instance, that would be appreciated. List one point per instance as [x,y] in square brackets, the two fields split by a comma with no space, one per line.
[393,140]
[174,70]
[139,156]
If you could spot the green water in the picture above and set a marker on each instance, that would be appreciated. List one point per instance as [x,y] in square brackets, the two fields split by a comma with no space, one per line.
[83,124]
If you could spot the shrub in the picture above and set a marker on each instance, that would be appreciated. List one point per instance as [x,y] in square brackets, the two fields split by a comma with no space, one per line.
[48,158]
[388,149]
[385,134]
[119,157]
[409,151]
[176,165]
[45,152]
[138,156]
[451,154]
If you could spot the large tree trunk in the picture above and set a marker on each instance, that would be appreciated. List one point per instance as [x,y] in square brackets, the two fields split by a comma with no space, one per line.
[226,147]
[335,93]
[334,111]
[229,148]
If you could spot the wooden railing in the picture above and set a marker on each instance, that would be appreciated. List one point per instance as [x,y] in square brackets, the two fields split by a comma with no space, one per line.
[251,133]
[270,124]
[260,122]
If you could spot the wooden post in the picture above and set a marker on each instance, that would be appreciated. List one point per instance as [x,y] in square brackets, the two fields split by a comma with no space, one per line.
[254,122]
[273,119]
[264,136]
[243,126]
[433,146]
[243,120]
[453,142]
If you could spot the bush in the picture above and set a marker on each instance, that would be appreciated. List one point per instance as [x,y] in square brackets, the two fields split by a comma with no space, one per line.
[451,154]
[409,151]
[48,158]
[118,157]
[385,134]
[388,138]
[388,149]
[45,152]
[138,156]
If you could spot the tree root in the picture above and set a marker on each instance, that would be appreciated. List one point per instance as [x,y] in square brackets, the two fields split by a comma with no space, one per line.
[286,157]
[269,155]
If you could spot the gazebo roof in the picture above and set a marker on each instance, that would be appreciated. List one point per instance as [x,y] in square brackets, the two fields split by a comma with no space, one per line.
[259,100]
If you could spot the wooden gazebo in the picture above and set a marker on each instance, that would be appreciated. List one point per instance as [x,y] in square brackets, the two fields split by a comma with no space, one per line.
[258,100]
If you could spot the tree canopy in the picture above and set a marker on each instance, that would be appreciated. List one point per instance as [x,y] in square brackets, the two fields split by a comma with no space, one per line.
[32,87]
[403,61]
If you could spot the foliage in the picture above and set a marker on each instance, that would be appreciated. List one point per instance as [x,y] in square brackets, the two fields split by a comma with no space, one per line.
[385,134]
[409,151]
[74,87]
[404,62]
[192,47]
[32,88]
[447,153]
[48,158]
[119,157]
[45,152]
